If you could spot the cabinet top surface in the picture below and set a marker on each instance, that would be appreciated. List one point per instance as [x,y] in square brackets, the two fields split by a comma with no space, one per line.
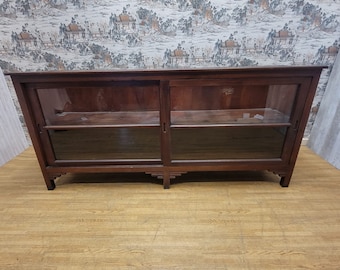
[37,76]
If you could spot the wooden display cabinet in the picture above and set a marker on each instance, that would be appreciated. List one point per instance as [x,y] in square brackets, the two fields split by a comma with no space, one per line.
[167,122]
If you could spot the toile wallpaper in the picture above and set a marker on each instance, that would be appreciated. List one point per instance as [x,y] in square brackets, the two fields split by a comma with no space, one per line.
[39,35]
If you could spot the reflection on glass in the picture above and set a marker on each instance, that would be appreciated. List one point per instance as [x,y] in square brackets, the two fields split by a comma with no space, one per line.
[106,143]
[107,105]
[232,104]
[227,143]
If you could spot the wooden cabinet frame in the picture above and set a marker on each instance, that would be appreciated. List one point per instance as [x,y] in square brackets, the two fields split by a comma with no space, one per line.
[167,122]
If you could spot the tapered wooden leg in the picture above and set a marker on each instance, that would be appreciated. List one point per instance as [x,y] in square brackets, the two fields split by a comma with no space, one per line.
[285,178]
[284,182]
[50,184]
[166,180]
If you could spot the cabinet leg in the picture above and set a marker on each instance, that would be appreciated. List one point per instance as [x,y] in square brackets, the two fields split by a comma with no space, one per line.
[166,180]
[284,182]
[285,178]
[50,184]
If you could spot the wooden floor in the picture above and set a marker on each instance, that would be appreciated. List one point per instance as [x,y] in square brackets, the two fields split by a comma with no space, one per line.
[102,222]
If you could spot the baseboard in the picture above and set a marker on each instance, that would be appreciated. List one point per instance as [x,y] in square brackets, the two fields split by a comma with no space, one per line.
[304,141]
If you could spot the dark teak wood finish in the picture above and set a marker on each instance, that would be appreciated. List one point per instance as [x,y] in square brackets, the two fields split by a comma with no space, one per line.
[167,122]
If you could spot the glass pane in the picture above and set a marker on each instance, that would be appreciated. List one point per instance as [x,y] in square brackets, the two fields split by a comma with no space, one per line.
[227,143]
[108,105]
[232,104]
[106,143]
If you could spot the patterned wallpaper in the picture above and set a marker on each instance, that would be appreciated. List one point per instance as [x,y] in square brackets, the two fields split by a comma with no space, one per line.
[164,34]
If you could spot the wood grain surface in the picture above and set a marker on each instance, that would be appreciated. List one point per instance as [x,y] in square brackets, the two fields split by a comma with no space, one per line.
[124,221]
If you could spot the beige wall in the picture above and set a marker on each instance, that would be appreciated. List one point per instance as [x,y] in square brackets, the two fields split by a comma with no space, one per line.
[325,135]
[12,137]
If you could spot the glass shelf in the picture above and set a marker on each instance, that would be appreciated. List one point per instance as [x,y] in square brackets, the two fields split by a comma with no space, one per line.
[235,117]
[104,119]
[189,118]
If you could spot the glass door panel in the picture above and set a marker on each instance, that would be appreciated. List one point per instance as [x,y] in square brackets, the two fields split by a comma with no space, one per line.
[102,121]
[231,104]
[215,143]
[106,143]
[102,105]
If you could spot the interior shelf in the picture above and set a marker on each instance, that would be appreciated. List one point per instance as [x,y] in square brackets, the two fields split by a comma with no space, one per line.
[188,118]
[67,120]
[235,117]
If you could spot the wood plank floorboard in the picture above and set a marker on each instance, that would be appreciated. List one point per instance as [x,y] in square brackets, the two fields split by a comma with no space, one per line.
[124,221]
